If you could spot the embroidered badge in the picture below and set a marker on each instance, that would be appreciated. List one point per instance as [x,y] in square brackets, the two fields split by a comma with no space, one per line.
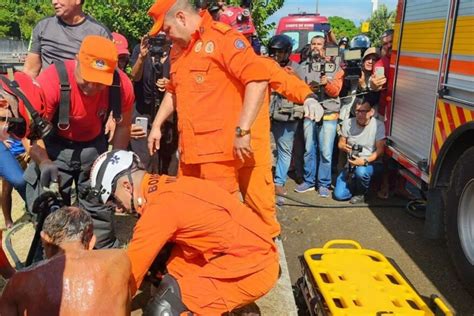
[197,47]
[209,47]
[239,44]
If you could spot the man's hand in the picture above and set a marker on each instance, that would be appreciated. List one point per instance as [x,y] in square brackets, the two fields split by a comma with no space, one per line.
[376,83]
[362,84]
[154,139]
[313,109]
[110,128]
[347,148]
[137,131]
[49,173]
[144,46]
[324,80]
[314,86]
[357,161]
[242,147]
[161,84]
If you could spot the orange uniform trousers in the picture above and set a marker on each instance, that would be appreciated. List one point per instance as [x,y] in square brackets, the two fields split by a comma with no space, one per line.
[214,296]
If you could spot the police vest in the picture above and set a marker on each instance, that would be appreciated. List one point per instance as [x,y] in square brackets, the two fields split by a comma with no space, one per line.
[281,109]
[311,73]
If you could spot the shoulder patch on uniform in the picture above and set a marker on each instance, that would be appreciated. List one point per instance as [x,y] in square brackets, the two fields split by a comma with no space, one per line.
[221,27]
[239,44]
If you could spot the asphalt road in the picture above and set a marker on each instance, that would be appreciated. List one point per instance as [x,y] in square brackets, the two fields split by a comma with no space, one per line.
[391,231]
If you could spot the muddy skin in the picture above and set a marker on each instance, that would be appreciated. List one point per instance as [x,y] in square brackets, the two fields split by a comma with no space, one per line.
[72,282]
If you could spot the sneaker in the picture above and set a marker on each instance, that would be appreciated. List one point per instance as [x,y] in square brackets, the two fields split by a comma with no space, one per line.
[357,199]
[324,192]
[304,187]
[280,190]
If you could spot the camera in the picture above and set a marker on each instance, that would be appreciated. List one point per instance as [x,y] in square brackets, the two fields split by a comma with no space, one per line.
[159,46]
[319,64]
[353,61]
[356,149]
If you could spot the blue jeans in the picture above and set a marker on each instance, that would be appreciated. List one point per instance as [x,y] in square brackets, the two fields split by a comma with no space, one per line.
[360,181]
[326,134]
[284,133]
[11,171]
[310,146]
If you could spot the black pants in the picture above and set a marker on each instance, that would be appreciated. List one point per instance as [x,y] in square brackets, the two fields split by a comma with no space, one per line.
[74,161]
[165,161]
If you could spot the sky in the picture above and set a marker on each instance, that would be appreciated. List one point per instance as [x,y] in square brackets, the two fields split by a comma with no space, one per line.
[355,10]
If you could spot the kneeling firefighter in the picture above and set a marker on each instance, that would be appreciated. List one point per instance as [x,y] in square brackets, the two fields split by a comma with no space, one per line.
[222,258]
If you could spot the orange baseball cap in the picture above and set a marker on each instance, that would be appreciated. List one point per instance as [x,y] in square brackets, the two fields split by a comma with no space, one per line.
[98,58]
[157,12]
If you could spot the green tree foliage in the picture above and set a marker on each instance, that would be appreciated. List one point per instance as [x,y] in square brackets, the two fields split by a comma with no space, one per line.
[127,17]
[381,20]
[18,17]
[343,27]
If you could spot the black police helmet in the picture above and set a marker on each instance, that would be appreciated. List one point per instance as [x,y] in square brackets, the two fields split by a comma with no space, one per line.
[280,43]
[344,40]
[360,42]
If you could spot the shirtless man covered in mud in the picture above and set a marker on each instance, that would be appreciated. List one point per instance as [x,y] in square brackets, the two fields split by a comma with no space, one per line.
[74,280]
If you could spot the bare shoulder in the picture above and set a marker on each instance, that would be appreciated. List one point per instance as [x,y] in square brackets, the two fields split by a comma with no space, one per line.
[116,257]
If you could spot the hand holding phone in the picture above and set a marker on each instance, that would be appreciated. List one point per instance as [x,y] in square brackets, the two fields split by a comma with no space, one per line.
[143,123]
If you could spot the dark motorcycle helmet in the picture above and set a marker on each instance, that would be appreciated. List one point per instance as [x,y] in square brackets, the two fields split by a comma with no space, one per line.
[280,43]
[344,40]
[360,42]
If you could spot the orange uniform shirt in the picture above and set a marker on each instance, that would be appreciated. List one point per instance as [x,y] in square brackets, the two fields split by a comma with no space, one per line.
[286,84]
[216,236]
[208,79]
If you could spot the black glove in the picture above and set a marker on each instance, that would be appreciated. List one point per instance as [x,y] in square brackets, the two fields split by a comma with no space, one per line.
[49,173]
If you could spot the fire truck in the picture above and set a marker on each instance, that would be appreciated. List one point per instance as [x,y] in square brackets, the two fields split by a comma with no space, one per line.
[301,27]
[430,118]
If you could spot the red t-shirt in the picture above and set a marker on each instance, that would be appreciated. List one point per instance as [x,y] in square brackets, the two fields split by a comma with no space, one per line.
[385,63]
[87,113]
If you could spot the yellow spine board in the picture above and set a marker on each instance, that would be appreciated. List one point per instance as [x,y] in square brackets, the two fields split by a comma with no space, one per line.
[356,281]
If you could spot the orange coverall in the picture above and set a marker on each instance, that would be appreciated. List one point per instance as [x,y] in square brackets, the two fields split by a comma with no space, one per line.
[255,177]
[208,79]
[223,257]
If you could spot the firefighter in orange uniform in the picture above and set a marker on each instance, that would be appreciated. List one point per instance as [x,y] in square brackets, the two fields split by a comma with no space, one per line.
[217,87]
[223,258]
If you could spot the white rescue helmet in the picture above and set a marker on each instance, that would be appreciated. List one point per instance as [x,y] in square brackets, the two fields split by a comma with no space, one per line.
[105,170]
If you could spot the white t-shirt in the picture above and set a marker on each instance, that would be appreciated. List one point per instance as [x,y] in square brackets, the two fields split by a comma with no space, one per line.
[366,136]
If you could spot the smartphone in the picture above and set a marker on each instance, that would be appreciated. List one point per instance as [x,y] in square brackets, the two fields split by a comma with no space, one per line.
[379,72]
[143,122]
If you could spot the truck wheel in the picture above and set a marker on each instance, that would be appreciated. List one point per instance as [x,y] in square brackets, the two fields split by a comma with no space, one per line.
[459,218]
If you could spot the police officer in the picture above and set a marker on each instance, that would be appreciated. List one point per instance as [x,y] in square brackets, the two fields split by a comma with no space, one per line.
[285,115]
[77,100]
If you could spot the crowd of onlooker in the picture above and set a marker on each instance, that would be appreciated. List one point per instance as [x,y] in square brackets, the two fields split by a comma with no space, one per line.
[343,152]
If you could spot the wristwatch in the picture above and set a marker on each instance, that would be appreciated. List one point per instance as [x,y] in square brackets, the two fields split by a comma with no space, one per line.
[366,162]
[241,132]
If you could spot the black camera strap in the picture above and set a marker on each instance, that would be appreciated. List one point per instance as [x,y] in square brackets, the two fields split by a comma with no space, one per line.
[115,100]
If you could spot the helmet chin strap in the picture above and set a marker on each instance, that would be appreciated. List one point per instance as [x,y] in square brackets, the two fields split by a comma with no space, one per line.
[132,204]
